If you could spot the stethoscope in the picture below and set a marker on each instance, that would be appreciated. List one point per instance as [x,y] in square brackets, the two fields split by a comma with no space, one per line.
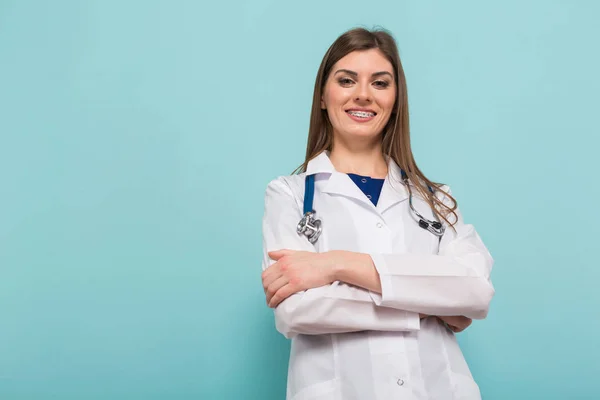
[311,227]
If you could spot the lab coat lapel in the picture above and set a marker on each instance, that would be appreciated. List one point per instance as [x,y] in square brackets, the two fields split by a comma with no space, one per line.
[338,183]
[341,184]
[393,190]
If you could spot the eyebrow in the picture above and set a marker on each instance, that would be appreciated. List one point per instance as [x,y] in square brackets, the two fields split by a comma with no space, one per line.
[376,74]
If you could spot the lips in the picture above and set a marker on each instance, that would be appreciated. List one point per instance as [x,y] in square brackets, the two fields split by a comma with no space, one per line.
[361,112]
[361,116]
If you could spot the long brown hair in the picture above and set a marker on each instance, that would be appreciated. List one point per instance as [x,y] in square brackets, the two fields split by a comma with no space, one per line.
[395,135]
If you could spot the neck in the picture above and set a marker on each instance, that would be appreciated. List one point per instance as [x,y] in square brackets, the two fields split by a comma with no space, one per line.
[364,160]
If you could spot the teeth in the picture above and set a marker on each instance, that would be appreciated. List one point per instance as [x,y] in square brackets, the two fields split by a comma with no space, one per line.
[361,114]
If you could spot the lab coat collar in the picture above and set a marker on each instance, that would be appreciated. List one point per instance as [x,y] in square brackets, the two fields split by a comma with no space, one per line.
[320,164]
[392,192]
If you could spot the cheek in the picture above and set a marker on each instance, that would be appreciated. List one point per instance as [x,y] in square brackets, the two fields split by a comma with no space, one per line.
[336,97]
[388,102]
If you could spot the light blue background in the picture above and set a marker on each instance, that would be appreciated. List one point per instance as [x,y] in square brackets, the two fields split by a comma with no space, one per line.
[137,138]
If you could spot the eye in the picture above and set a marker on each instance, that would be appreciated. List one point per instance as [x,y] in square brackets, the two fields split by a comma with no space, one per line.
[381,84]
[345,81]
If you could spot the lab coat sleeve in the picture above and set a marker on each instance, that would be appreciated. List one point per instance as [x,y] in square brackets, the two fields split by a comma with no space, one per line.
[334,308]
[456,281]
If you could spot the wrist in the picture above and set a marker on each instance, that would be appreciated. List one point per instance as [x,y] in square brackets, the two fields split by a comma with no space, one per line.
[336,265]
[355,269]
[343,263]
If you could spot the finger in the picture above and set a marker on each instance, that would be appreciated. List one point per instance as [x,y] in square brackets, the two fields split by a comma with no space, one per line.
[450,320]
[274,268]
[277,254]
[282,294]
[274,287]
[458,321]
[270,275]
[463,323]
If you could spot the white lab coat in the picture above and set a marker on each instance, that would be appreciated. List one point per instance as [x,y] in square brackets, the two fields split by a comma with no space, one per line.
[349,343]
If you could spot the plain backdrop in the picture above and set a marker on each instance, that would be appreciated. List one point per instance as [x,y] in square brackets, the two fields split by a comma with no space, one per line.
[137,139]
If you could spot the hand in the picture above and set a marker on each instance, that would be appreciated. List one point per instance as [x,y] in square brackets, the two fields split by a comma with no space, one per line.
[295,271]
[457,323]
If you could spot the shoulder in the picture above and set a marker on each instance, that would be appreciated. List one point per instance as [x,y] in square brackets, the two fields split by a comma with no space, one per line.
[443,192]
[287,183]
[450,204]
[286,187]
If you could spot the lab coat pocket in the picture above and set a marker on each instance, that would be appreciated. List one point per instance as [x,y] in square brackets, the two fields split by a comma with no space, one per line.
[465,388]
[318,391]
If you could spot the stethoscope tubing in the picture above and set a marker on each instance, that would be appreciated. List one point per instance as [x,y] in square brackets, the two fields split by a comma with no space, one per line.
[311,227]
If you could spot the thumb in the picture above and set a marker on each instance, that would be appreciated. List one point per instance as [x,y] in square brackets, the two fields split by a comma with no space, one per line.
[277,254]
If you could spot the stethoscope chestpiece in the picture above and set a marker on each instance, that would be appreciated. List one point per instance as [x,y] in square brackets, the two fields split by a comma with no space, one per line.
[310,227]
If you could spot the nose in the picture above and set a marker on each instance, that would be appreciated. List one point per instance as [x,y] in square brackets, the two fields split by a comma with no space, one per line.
[362,93]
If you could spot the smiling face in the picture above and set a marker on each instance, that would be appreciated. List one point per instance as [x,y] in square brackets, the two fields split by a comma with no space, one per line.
[359,95]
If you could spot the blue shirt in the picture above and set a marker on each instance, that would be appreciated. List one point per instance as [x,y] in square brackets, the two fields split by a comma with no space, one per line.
[371,187]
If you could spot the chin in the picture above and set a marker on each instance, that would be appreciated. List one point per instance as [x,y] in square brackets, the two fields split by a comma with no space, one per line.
[360,134]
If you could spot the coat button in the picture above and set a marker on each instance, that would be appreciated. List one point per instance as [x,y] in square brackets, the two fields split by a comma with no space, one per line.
[400,382]
[379,225]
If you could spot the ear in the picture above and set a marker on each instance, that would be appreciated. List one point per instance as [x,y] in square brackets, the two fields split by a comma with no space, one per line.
[323,106]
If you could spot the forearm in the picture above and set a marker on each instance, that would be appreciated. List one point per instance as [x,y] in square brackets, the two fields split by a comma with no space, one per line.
[356,269]
[435,285]
[339,308]
[430,285]
[359,270]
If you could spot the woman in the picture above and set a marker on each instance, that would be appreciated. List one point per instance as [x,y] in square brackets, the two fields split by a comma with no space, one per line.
[373,305]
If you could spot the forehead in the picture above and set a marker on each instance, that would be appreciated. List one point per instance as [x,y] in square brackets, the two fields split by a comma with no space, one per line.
[365,61]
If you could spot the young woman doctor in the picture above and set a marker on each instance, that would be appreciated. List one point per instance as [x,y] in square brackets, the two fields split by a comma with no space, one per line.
[373,305]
